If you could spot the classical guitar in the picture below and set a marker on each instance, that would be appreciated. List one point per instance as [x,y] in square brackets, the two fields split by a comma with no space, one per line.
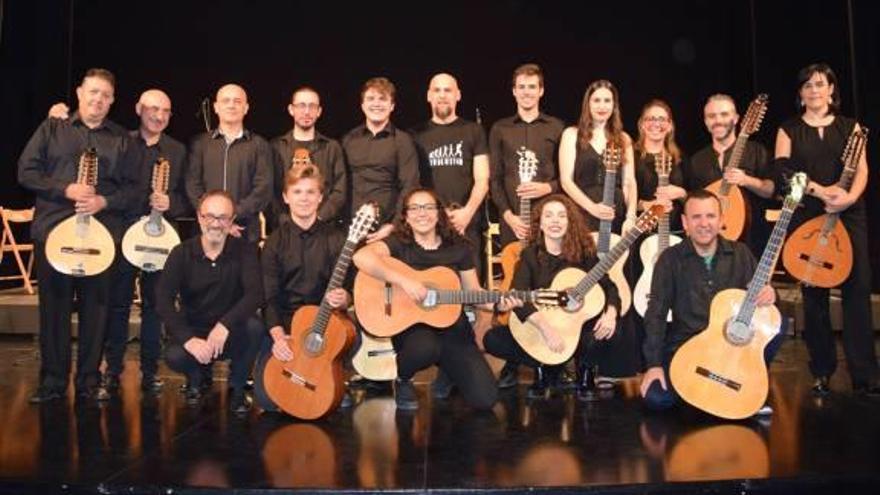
[605,239]
[586,299]
[527,169]
[312,383]
[721,370]
[654,244]
[734,207]
[819,252]
[375,358]
[81,245]
[148,242]
[385,310]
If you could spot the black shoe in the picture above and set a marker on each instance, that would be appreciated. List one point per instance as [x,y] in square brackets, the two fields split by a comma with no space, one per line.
[872,391]
[238,401]
[111,382]
[509,376]
[96,394]
[538,389]
[405,395]
[562,379]
[586,384]
[44,395]
[441,387]
[149,383]
[347,400]
[193,396]
[821,387]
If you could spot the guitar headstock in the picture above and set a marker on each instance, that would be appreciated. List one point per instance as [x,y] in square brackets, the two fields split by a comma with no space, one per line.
[663,163]
[855,146]
[528,164]
[550,298]
[88,167]
[611,157]
[648,219]
[796,187]
[363,222]
[754,115]
[161,173]
[301,156]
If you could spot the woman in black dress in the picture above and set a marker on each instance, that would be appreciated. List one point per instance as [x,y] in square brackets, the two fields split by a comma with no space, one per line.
[813,142]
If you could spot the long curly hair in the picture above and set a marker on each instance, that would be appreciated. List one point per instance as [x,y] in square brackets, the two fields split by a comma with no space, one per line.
[577,244]
[444,227]
[614,126]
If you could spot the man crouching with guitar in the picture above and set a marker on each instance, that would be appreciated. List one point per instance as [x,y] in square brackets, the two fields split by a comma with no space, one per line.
[423,238]
[686,278]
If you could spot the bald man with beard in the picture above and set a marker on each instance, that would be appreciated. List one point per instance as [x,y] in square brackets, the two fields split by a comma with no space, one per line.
[233,159]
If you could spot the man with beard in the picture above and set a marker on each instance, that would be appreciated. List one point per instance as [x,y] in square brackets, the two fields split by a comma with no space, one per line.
[217,280]
[708,165]
[233,159]
[326,154]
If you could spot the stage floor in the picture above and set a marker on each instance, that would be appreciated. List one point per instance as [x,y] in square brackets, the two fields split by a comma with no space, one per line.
[136,444]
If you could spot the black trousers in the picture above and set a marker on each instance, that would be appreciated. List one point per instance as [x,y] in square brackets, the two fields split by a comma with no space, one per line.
[858,333]
[122,278]
[500,343]
[56,305]
[241,349]
[455,352]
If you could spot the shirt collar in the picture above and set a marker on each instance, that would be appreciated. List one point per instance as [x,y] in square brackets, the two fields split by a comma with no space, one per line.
[542,117]
[245,134]
[725,246]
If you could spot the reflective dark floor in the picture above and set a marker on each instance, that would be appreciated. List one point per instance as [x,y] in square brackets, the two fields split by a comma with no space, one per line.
[138,444]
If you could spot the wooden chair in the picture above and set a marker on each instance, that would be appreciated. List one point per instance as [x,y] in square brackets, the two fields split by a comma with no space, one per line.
[8,243]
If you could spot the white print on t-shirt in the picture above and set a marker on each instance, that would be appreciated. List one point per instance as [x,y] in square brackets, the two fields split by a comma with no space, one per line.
[448,155]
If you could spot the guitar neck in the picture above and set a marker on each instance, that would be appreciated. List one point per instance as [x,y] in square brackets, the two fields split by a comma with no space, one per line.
[155,217]
[339,272]
[481,296]
[525,215]
[607,200]
[736,156]
[605,263]
[663,221]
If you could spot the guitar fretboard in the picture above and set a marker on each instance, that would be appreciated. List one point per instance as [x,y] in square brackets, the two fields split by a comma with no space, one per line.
[605,263]
[482,296]
[525,216]
[663,221]
[339,272]
[736,156]
[608,189]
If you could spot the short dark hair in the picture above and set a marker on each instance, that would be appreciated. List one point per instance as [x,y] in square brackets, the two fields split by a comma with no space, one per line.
[528,70]
[304,89]
[101,74]
[215,193]
[819,68]
[700,194]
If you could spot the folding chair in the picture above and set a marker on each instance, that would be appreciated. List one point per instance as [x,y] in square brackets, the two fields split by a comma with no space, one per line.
[8,243]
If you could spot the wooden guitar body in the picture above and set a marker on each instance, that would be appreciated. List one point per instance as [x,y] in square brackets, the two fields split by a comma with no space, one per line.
[720,377]
[311,384]
[567,320]
[375,358]
[734,210]
[385,309]
[616,275]
[148,250]
[817,258]
[648,253]
[80,247]
[509,261]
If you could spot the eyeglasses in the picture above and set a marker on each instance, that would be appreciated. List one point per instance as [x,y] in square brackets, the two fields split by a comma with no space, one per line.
[426,207]
[657,120]
[306,106]
[209,218]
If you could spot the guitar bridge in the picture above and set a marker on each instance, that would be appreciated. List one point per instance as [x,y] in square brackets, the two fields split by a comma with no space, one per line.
[293,377]
[718,378]
[387,299]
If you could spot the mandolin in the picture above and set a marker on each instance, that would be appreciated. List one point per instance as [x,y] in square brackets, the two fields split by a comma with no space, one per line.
[734,208]
[585,299]
[721,370]
[81,245]
[148,242]
[819,252]
[312,383]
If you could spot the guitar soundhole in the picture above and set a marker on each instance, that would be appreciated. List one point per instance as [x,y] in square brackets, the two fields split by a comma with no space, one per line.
[738,333]
[573,304]
[314,343]
[154,229]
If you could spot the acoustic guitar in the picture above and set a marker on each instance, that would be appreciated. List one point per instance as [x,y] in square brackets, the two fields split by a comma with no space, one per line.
[81,245]
[721,370]
[148,242]
[654,244]
[375,358]
[605,239]
[734,207]
[819,252]
[527,169]
[585,299]
[385,310]
[312,383]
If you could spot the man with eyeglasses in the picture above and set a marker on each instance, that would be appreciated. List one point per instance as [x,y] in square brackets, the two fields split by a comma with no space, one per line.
[708,165]
[218,281]
[150,140]
[234,159]
[326,154]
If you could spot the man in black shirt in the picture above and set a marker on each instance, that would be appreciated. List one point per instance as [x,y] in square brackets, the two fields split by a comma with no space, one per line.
[217,278]
[298,261]
[326,153]
[233,159]
[48,167]
[707,166]
[529,130]
[382,159]
[686,278]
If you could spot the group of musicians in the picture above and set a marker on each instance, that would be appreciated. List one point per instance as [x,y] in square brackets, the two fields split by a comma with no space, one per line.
[222,297]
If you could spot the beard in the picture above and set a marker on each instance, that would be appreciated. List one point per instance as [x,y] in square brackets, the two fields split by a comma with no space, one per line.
[443,111]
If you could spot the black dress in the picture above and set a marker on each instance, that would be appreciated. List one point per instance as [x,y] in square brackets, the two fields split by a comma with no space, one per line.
[820,157]
[589,176]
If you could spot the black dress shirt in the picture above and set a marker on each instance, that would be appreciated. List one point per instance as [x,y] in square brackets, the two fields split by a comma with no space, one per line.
[327,155]
[175,152]
[227,290]
[50,161]
[297,266]
[383,167]
[683,282]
